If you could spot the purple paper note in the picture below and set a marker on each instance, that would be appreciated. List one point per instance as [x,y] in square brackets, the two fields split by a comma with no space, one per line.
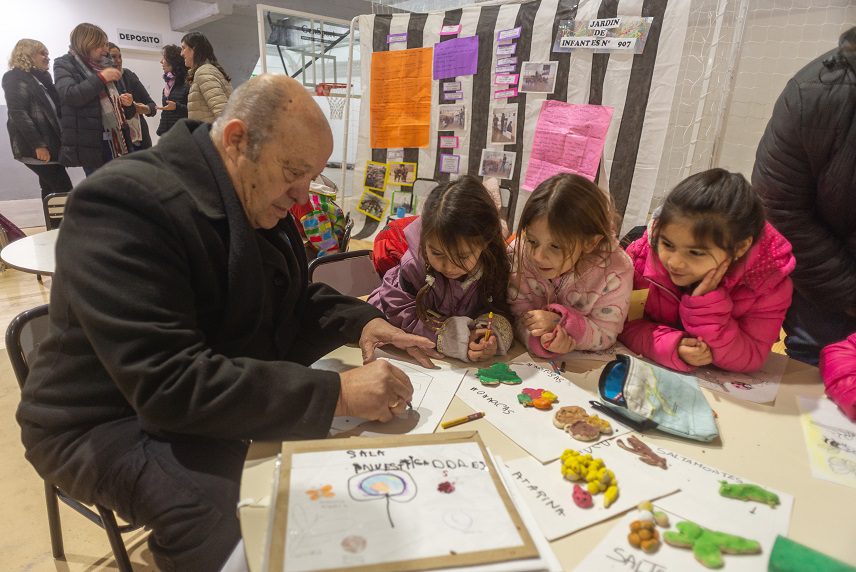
[505,69]
[509,34]
[451,95]
[506,50]
[456,57]
[450,163]
[569,138]
[396,38]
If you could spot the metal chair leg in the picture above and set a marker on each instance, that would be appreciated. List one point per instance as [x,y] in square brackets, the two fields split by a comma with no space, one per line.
[53,521]
[116,542]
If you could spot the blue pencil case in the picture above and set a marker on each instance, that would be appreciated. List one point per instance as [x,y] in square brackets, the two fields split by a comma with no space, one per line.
[645,396]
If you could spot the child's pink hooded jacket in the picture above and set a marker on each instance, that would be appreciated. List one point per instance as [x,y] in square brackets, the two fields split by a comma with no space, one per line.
[740,320]
[838,370]
[593,304]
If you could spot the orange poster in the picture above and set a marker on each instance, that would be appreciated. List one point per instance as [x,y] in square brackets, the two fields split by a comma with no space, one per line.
[401,98]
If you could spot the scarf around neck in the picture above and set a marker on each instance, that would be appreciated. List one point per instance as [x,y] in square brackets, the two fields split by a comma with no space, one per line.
[112,116]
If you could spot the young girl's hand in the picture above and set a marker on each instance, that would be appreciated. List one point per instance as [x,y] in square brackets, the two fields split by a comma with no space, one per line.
[711,280]
[540,322]
[695,352]
[480,350]
[558,341]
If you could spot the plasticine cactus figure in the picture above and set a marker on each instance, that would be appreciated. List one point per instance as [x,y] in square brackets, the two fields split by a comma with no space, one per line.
[748,492]
[708,545]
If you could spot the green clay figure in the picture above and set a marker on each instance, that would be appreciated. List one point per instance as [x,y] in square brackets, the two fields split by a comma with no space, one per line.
[748,493]
[708,545]
[498,373]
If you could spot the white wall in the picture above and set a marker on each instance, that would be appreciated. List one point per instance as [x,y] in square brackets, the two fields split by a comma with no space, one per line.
[51,22]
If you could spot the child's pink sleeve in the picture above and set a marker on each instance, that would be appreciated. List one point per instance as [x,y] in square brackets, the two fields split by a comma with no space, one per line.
[737,344]
[656,342]
[838,370]
[598,328]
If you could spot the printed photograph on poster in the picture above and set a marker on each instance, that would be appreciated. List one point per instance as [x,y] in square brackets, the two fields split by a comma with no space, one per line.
[503,124]
[402,200]
[450,163]
[539,77]
[375,175]
[452,86]
[402,174]
[452,117]
[497,164]
[449,142]
[372,205]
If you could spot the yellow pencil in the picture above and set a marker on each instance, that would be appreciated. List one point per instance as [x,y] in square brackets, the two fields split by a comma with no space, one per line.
[462,420]
[489,325]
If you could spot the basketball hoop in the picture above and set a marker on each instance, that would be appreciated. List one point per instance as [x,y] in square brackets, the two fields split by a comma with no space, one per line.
[335,94]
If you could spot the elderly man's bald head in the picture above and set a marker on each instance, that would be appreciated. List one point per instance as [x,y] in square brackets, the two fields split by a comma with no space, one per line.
[273,107]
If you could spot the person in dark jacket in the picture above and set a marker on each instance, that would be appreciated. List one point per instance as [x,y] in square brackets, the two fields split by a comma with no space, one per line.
[94,128]
[174,98]
[143,105]
[32,104]
[183,324]
[805,172]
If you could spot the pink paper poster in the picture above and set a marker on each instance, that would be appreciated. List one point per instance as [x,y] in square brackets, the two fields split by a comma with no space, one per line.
[569,138]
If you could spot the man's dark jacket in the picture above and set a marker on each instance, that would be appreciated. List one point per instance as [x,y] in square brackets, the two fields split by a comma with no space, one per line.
[805,172]
[32,121]
[168,307]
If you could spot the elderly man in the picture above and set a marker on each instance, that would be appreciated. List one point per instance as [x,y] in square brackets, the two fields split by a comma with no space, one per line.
[182,325]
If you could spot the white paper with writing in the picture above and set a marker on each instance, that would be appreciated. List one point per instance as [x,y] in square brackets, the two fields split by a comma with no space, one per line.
[530,428]
[548,494]
[830,440]
[433,390]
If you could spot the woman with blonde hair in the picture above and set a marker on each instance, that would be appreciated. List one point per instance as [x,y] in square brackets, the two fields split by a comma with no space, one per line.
[209,84]
[94,128]
[32,103]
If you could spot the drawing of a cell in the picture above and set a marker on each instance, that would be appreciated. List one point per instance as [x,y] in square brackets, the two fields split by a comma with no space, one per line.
[397,486]
[353,544]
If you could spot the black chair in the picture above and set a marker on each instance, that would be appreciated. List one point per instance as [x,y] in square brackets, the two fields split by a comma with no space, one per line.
[346,236]
[54,207]
[351,273]
[23,336]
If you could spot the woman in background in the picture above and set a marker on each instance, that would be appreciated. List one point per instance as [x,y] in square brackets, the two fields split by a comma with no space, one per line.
[174,98]
[209,84]
[32,103]
[94,128]
[142,101]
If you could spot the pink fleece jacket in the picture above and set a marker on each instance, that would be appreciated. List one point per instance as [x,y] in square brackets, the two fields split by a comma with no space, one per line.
[593,303]
[740,320]
[838,370]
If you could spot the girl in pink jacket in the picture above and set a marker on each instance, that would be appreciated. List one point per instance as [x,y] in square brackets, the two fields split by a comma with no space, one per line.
[717,276]
[838,370]
[572,282]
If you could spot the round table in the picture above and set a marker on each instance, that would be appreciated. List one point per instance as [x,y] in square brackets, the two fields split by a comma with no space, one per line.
[33,254]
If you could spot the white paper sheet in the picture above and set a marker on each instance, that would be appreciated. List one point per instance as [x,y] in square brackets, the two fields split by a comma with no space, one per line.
[548,494]
[760,386]
[699,501]
[433,390]
[371,506]
[830,440]
[614,553]
[531,428]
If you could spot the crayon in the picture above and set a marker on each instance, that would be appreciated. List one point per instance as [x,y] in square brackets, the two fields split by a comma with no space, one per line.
[462,420]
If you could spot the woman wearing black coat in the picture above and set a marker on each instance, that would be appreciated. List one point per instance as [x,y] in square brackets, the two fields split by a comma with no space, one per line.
[33,106]
[143,103]
[94,128]
[175,91]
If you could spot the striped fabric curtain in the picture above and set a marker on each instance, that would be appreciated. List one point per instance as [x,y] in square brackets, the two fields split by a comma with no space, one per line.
[640,88]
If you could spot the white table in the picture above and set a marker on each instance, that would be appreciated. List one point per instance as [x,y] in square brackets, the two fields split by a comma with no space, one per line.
[33,254]
[759,442]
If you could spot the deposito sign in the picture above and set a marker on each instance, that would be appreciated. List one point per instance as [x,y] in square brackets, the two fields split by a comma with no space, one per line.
[145,40]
